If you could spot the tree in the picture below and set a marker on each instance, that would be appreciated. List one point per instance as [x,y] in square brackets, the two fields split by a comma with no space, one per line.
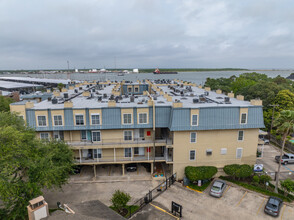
[60,86]
[119,200]
[288,186]
[28,165]
[4,103]
[285,100]
[285,125]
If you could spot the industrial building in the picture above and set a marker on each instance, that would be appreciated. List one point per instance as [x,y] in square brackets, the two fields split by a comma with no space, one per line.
[168,122]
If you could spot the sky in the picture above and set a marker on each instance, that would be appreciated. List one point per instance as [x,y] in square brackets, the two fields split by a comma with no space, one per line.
[45,34]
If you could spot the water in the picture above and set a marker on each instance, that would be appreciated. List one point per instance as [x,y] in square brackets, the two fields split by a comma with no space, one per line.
[197,77]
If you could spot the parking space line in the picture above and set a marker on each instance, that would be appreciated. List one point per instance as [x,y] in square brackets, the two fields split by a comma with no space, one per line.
[260,206]
[163,211]
[242,198]
[288,168]
[226,189]
[283,211]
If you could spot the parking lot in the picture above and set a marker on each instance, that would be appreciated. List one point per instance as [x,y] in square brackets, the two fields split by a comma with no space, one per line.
[270,165]
[236,203]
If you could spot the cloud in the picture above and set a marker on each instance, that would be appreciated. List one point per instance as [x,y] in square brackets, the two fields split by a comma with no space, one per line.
[146,33]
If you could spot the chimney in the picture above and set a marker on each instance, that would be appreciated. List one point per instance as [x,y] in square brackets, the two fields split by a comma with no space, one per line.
[231,95]
[150,102]
[68,104]
[240,97]
[64,90]
[56,93]
[29,105]
[207,89]
[111,103]
[256,102]
[86,93]
[200,87]
[218,91]
[177,104]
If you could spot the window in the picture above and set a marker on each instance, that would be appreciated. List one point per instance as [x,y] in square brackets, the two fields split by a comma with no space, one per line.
[195,120]
[83,135]
[127,118]
[96,136]
[239,153]
[129,89]
[95,119]
[58,135]
[139,151]
[223,151]
[208,152]
[79,119]
[136,89]
[128,152]
[41,121]
[97,153]
[44,136]
[240,135]
[243,118]
[142,118]
[136,151]
[128,135]
[193,137]
[141,132]
[192,154]
[57,120]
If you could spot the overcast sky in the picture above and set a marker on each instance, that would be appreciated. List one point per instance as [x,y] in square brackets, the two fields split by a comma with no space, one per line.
[38,34]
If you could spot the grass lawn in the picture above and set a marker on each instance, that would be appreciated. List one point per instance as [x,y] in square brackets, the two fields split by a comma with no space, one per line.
[132,208]
[199,188]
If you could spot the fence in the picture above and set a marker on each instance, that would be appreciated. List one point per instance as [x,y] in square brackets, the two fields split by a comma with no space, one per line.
[152,194]
[288,146]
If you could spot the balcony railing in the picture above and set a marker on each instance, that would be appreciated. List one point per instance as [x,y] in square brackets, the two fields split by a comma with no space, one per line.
[119,141]
[122,159]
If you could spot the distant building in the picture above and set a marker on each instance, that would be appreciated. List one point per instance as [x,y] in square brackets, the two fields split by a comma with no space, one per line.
[171,122]
[135,70]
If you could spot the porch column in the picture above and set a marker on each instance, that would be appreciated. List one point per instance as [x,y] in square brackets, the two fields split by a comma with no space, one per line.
[94,166]
[132,153]
[114,157]
[148,152]
[123,169]
[80,155]
[152,168]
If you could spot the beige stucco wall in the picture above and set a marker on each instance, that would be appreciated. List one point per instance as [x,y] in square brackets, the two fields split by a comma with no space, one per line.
[215,140]
[20,109]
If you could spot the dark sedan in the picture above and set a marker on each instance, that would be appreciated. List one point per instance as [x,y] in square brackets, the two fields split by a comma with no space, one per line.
[273,206]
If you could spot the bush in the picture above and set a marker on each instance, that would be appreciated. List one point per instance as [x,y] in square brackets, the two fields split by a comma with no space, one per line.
[288,186]
[255,179]
[119,200]
[200,173]
[240,171]
[264,178]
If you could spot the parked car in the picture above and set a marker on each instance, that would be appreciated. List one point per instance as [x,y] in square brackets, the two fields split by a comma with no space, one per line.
[273,206]
[286,158]
[218,188]
[131,167]
[262,141]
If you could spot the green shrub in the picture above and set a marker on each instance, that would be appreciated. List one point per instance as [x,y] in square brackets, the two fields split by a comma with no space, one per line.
[288,186]
[264,178]
[240,171]
[119,200]
[200,173]
[255,179]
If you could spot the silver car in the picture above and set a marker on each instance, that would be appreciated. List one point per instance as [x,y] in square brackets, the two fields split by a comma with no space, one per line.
[218,188]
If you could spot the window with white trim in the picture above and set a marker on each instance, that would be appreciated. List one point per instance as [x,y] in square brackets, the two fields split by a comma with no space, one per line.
[208,152]
[141,132]
[194,120]
[127,119]
[240,135]
[95,118]
[244,118]
[57,120]
[136,89]
[128,152]
[42,121]
[192,154]
[142,118]
[96,136]
[44,136]
[130,89]
[128,135]
[193,137]
[97,153]
[223,151]
[239,153]
[79,119]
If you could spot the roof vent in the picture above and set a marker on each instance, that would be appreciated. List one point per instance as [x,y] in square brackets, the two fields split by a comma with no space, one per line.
[99,98]
[54,101]
[88,86]
[104,95]
[227,100]
[76,91]
[132,98]
[65,95]
[195,101]
[155,98]
[80,88]
[206,93]
[49,99]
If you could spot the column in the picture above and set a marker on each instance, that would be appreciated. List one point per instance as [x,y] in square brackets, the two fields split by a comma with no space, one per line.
[148,152]
[132,153]
[152,168]
[123,169]
[94,166]
[80,155]
[114,157]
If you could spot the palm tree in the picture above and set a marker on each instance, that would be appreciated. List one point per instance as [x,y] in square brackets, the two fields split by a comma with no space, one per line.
[285,126]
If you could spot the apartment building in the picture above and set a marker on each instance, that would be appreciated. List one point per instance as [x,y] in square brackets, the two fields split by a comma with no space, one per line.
[171,122]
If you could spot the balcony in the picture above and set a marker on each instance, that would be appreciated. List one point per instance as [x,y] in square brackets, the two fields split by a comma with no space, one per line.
[118,141]
[85,160]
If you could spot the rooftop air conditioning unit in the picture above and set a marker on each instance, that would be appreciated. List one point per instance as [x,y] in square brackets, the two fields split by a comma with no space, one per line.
[65,95]
[227,99]
[195,101]
[54,101]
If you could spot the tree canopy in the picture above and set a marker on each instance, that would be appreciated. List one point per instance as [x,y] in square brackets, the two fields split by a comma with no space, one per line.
[28,165]
[4,103]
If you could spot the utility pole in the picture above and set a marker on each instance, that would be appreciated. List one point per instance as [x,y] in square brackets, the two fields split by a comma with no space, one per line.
[269,135]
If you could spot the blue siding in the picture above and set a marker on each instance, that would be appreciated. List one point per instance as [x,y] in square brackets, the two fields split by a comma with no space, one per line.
[30,117]
[162,117]
[68,118]
[111,118]
[50,120]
